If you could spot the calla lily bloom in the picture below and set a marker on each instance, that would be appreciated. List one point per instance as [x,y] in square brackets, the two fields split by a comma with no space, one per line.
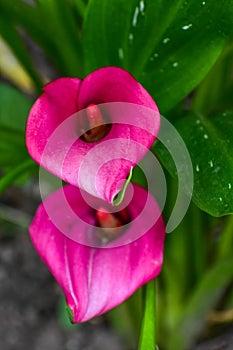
[96,278]
[91,132]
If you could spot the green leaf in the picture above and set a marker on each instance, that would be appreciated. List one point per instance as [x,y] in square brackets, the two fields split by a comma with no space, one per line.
[210,145]
[65,315]
[168,48]
[16,172]
[28,17]
[80,7]
[70,314]
[225,242]
[12,147]
[202,301]
[14,40]
[63,33]
[14,108]
[215,91]
[51,24]
[13,113]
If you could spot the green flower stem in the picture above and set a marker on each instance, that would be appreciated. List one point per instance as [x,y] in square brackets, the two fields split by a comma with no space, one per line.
[226,240]
[213,88]
[120,195]
[147,339]
[198,241]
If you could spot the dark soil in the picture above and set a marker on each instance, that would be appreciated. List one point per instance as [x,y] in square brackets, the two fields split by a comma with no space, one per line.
[222,342]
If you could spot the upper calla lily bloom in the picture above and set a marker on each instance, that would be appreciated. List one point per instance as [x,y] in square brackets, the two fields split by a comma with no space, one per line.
[96,279]
[91,132]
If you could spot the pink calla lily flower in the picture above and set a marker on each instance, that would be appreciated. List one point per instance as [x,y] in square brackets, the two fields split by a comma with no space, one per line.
[95,279]
[91,132]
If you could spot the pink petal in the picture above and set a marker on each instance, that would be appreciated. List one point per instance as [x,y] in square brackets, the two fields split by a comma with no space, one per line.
[57,103]
[99,168]
[113,84]
[95,280]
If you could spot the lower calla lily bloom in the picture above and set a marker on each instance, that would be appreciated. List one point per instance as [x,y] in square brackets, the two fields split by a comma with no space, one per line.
[96,279]
[91,132]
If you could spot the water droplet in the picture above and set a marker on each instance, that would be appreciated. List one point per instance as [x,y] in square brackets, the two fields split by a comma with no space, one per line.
[135,17]
[187,26]
[211,163]
[165,41]
[229,186]
[197,168]
[175,64]
[131,36]
[120,53]
[206,136]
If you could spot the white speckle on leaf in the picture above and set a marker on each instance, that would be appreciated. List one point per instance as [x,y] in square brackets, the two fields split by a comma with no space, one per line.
[229,186]
[120,53]
[216,170]
[151,58]
[142,6]
[220,198]
[175,64]
[197,168]
[187,26]
[211,163]
[165,41]
[198,121]
[135,17]
[156,55]
[203,3]
[131,36]
[206,136]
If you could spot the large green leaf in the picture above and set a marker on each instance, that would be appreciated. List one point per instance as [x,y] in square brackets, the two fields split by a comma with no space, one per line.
[168,47]
[210,144]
